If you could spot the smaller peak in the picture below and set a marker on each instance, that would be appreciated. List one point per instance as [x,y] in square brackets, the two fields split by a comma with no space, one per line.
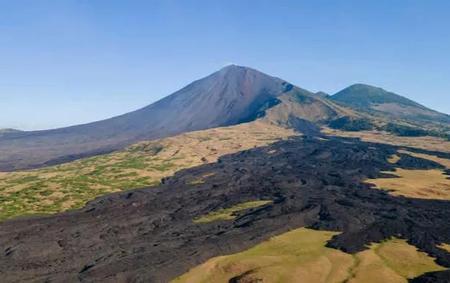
[364,89]
[364,95]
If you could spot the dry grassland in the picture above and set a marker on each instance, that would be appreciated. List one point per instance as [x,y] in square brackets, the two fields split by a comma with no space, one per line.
[424,184]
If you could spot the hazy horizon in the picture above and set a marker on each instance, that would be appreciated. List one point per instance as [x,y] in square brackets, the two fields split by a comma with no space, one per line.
[70,62]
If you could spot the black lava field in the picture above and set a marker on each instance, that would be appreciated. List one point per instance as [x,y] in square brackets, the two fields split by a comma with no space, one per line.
[148,235]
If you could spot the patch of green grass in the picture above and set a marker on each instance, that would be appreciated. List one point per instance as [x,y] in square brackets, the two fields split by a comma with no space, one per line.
[134,162]
[162,167]
[125,175]
[228,213]
[23,180]
[302,253]
[45,193]
[71,185]
[149,149]
[398,255]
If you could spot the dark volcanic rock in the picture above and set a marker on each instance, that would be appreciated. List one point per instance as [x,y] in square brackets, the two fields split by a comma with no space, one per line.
[148,235]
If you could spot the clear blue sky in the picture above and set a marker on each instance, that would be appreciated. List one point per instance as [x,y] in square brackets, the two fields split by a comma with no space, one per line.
[66,62]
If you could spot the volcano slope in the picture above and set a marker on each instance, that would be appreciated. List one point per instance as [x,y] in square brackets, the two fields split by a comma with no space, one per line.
[150,235]
[230,96]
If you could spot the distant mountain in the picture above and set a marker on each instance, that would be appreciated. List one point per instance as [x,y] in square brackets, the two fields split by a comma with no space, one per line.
[8,130]
[378,101]
[230,96]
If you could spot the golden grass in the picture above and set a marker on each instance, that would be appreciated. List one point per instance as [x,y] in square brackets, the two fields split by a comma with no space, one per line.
[424,184]
[393,159]
[301,256]
[71,185]
[445,247]
[427,184]
[405,259]
[427,142]
[298,254]
[443,161]
[370,268]
[228,213]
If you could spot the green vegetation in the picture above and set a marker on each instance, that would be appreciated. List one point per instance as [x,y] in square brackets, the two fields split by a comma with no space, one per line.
[408,131]
[69,186]
[363,96]
[228,213]
[404,259]
[302,253]
[405,131]
[351,124]
[360,124]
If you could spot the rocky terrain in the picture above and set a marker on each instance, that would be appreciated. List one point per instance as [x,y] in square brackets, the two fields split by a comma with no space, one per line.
[150,235]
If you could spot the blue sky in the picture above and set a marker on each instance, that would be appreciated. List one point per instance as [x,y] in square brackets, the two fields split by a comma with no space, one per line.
[67,62]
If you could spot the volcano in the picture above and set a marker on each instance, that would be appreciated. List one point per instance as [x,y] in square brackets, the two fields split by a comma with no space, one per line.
[232,95]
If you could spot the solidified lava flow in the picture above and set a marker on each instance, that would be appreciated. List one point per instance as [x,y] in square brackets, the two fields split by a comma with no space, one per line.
[149,235]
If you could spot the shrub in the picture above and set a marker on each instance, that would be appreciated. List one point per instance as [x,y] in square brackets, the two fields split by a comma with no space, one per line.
[351,124]
[406,131]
